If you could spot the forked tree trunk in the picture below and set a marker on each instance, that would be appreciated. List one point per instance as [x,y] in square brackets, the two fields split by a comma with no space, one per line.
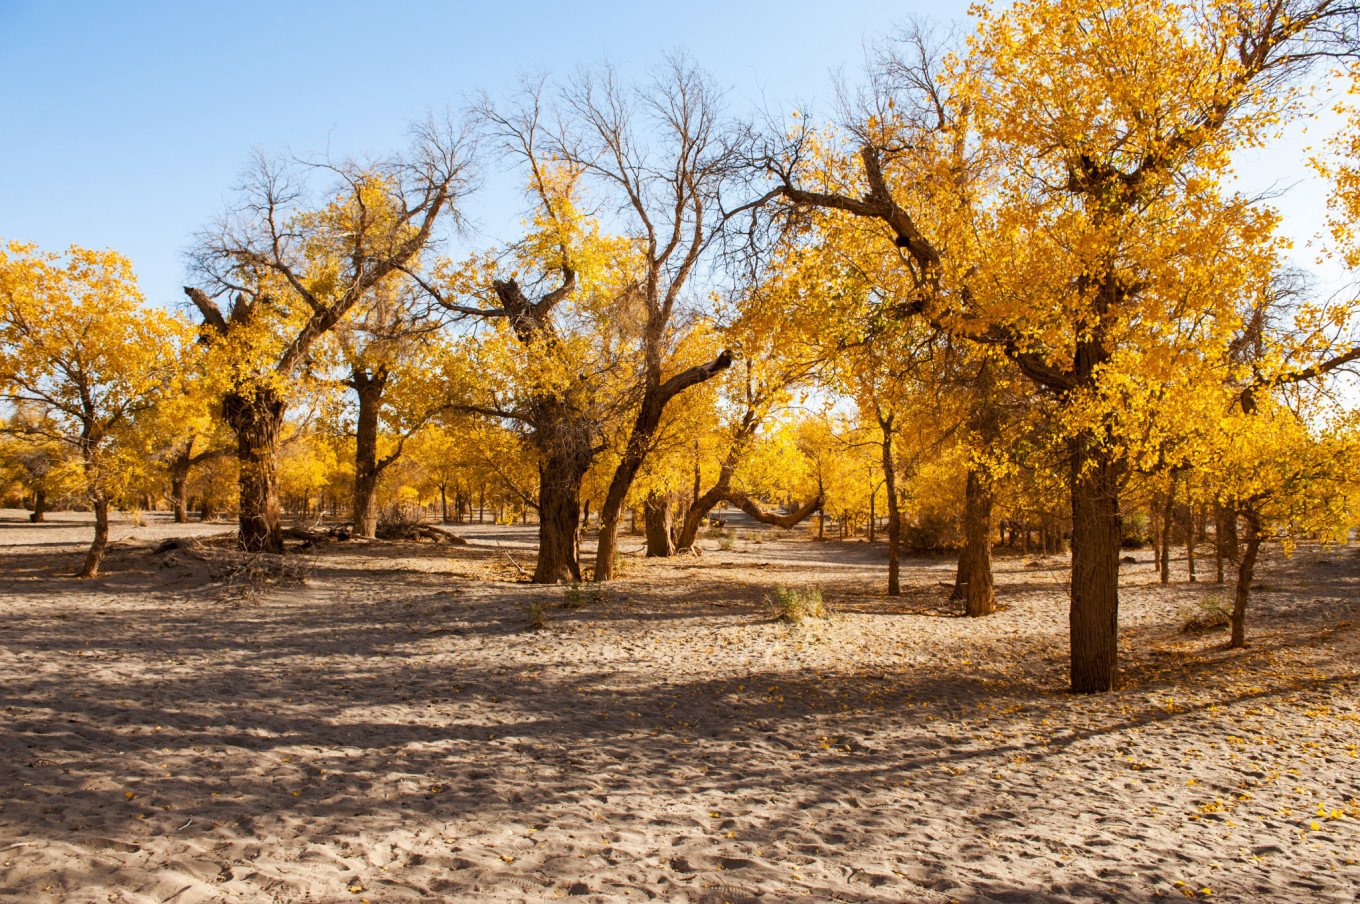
[973,583]
[1245,570]
[256,420]
[657,520]
[1094,614]
[367,468]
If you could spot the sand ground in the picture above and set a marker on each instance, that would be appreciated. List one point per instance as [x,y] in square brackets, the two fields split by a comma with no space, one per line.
[390,731]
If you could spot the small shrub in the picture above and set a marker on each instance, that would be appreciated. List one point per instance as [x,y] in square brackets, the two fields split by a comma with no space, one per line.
[534,612]
[791,607]
[572,597]
[725,543]
[1207,615]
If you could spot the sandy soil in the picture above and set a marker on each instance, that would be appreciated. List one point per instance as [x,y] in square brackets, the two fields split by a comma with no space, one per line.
[179,731]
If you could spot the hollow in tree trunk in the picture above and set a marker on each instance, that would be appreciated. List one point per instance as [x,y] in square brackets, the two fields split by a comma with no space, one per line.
[973,583]
[1246,568]
[256,419]
[1094,614]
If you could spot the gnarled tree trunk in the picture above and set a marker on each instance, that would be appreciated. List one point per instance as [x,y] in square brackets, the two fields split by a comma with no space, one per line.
[559,513]
[256,420]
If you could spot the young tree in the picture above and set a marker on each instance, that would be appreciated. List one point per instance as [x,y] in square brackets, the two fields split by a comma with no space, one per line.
[77,343]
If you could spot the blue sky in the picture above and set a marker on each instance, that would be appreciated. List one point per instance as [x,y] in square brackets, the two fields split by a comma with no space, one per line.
[125,124]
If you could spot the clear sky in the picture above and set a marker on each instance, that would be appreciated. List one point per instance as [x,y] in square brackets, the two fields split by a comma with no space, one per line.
[125,124]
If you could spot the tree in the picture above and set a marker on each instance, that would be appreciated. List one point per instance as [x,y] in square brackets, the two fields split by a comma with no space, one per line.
[1056,196]
[290,275]
[671,159]
[77,343]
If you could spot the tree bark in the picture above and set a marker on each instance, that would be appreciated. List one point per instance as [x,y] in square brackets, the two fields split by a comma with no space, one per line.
[1094,614]
[1168,518]
[1189,531]
[256,419]
[657,520]
[101,536]
[885,423]
[39,513]
[559,514]
[744,502]
[179,486]
[973,583]
[1246,569]
[367,468]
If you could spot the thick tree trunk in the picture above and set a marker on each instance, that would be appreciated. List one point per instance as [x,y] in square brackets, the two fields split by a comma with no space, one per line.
[657,519]
[1094,614]
[256,420]
[1246,569]
[559,514]
[973,583]
[39,512]
[367,468]
[444,503]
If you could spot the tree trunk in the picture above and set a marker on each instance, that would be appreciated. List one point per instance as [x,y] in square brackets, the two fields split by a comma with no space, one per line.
[1168,517]
[873,515]
[559,513]
[256,420]
[481,504]
[369,387]
[973,583]
[657,520]
[179,487]
[101,536]
[1094,614]
[1245,570]
[887,459]
[1189,530]
[39,513]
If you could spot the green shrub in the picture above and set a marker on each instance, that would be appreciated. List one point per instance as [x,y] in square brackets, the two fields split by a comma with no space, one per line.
[791,607]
